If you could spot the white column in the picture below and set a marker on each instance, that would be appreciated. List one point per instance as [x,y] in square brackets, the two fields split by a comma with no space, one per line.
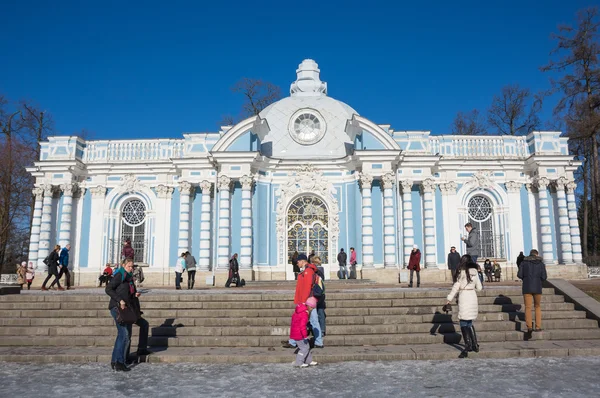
[78,196]
[367,221]
[452,231]
[246,232]
[96,228]
[205,236]
[389,241]
[183,244]
[574,222]
[545,228]
[515,220]
[533,217]
[44,246]
[428,188]
[224,236]
[162,228]
[409,234]
[64,231]
[34,239]
[566,249]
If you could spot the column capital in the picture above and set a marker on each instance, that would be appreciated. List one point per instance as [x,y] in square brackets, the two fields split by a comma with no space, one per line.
[560,183]
[185,188]
[542,183]
[365,181]
[206,187]
[388,180]
[38,192]
[98,192]
[530,187]
[246,182]
[428,185]
[224,183]
[48,189]
[80,191]
[68,188]
[513,186]
[164,191]
[571,186]
[406,186]
[449,188]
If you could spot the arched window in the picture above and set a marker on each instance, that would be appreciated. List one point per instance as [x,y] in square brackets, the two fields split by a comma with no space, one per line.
[307,221]
[481,215]
[133,227]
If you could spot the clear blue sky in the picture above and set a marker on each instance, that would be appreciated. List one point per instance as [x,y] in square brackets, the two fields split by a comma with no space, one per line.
[123,69]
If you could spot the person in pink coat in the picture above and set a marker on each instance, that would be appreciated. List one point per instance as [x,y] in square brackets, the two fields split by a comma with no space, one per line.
[299,333]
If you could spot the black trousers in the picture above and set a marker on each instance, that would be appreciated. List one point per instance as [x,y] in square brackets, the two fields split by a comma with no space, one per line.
[191,279]
[143,337]
[52,272]
[64,270]
[412,271]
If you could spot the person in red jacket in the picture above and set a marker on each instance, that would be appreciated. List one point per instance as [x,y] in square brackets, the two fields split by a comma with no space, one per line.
[299,334]
[414,264]
[305,279]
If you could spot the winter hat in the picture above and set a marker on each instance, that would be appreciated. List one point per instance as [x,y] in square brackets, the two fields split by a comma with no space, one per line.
[24,264]
[311,302]
[302,257]
[415,247]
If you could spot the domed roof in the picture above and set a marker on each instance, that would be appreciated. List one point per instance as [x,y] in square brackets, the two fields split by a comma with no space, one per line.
[308,123]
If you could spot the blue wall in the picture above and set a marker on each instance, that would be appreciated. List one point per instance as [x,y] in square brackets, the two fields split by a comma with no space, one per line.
[272,225]
[439,227]
[84,242]
[236,218]
[417,217]
[341,194]
[357,244]
[377,209]
[174,239]
[525,216]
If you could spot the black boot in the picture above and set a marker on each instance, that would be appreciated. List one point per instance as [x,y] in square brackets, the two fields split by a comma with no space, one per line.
[466,341]
[473,336]
[121,367]
[112,365]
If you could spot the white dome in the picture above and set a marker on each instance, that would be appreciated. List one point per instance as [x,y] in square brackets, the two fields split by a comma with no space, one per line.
[308,124]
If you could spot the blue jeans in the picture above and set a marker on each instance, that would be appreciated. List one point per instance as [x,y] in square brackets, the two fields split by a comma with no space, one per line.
[344,272]
[122,341]
[321,314]
[465,324]
[178,280]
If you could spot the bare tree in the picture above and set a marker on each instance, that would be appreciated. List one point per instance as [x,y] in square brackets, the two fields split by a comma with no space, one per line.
[577,58]
[469,123]
[509,113]
[257,93]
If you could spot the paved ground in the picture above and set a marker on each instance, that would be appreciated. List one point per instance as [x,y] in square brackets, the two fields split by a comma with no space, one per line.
[566,377]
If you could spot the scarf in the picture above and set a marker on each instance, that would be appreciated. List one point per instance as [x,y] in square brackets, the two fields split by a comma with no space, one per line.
[126,277]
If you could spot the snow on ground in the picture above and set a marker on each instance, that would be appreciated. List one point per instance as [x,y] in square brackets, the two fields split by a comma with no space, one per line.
[541,377]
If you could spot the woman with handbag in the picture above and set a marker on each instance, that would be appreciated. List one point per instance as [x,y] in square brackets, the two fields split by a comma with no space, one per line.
[125,309]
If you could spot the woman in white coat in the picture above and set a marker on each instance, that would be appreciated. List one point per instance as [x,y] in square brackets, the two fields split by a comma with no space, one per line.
[466,286]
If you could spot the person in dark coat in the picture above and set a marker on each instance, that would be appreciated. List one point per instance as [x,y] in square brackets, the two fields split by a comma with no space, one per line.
[520,259]
[127,251]
[487,268]
[453,261]
[342,257]
[472,242]
[123,293]
[53,260]
[295,267]
[414,265]
[234,269]
[63,265]
[533,272]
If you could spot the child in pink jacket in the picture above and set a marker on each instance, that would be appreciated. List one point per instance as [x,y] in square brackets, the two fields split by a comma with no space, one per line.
[299,333]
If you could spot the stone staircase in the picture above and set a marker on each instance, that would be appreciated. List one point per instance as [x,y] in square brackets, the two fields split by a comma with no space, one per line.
[249,326]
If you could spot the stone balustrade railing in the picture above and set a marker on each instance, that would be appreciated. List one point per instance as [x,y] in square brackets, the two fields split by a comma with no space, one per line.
[146,150]
[479,147]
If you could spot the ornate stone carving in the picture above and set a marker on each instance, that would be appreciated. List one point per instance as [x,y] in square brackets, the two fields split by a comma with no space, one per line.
[428,185]
[246,182]
[513,186]
[224,183]
[365,181]
[530,187]
[310,181]
[406,186]
[185,188]
[79,192]
[542,183]
[130,183]
[482,179]
[206,187]
[38,193]
[561,183]
[449,188]
[388,180]
[48,189]
[68,189]
[98,192]
[571,186]
[164,192]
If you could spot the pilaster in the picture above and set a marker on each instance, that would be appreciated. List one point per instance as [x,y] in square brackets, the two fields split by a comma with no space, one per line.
[183,243]
[516,220]
[574,222]
[428,187]
[224,236]
[246,221]
[409,235]
[566,249]
[367,220]
[205,238]
[96,228]
[44,246]
[545,228]
[34,240]
[64,235]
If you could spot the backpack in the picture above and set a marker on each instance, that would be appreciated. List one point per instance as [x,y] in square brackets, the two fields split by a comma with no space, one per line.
[317,289]
[47,260]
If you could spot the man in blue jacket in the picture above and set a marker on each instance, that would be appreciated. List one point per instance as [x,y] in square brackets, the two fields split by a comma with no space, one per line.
[63,265]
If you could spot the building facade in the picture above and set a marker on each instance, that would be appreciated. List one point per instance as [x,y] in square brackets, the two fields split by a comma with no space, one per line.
[307,173]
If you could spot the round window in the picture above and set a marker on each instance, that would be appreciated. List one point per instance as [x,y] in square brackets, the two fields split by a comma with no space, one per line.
[307,127]
[134,212]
